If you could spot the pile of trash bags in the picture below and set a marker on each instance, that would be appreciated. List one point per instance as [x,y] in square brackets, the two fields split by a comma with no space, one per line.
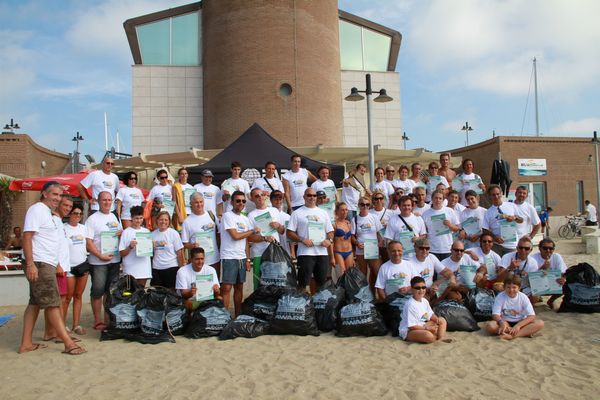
[582,290]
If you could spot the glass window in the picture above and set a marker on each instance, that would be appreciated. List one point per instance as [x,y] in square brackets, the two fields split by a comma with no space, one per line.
[538,190]
[579,194]
[184,39]
[154,43]
[350,46]
[362,49]
[376,50]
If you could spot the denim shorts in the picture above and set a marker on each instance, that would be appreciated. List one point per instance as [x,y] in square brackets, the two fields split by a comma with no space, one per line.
[233,271]
[102,276]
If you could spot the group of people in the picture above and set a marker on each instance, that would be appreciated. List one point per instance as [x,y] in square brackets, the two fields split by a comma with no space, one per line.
[424,233]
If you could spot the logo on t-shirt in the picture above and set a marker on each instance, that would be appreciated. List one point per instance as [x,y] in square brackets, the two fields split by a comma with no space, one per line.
[77,239]
[424,317]
[208,227]
[509,312]
[134,196]
[298,182]
[161,244]
[113,226]
[425,273]
[241,227]
[314,218]
[208,195]
[366,226]
[107,184]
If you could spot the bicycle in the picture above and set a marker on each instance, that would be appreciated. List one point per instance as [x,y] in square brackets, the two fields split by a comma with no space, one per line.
[572,227]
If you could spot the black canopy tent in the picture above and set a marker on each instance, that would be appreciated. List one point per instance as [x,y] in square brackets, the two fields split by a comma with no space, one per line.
[252,149]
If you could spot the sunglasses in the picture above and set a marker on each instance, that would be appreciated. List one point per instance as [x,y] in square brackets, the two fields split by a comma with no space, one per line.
[240,201]
[390,170]
[524,248]
[548,248]
[420,287]
[133,178]
[377,198]
[423,248]
[162,177]
[310,195]
[459,250]
[109,163]
[487,241]
[364,204]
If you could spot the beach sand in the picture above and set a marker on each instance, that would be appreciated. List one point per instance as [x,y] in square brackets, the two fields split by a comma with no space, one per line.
[563,362]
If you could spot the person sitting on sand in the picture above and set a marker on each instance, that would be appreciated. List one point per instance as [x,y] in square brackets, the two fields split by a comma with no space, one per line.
[186,279]
[512,313]
[547,259]
[419,324]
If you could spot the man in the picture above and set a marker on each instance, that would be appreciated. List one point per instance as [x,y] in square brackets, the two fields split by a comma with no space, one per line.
[104,266]
[404,182]
[415,169]
[390,173]
[16,242]
[420,207]
[395,274]
[269,182]
[41,251]
[591,218]
[284,219]
[501,218]
[209,192]
[352,187]
[519,263]
[199,230]
[445,170]
[454,203]
[260,241]
[458,258]
[488,260]
[425,264]
[100,181]
[405,227]
[185,283]
[531,221]
[235,257]
[548,260]
[230,185]
[295,182]
[311,228]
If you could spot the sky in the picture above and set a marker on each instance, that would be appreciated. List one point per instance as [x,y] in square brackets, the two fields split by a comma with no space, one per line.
[64,63]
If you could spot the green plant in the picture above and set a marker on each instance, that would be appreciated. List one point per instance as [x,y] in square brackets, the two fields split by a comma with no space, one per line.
[7,198]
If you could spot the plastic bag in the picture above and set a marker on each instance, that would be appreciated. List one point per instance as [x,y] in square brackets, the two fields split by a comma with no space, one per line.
[457,316]
[327,301]
[244,326]
[120,304]
[263,301]
[360,319]
[355,285]
[480,301]
[295,315]
[391,311]
[582,290]
[208,319]
[176,315]
[276,267]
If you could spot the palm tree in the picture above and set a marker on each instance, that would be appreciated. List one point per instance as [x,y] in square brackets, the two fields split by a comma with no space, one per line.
[7,197]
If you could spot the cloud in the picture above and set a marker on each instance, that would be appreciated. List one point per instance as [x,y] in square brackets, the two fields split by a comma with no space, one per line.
[581,127]
[16,73]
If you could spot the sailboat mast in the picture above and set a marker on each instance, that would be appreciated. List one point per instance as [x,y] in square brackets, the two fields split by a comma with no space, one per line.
[537,118]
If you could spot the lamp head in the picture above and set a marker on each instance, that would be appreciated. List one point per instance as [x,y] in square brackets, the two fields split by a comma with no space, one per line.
[354,95]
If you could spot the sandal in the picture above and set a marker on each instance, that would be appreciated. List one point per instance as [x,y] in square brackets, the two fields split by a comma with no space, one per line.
[36,346]
[75,351]
[74,339]
[99,326]
[79,330]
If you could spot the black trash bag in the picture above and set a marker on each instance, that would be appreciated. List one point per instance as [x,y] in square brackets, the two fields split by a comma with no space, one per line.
[263,301]
[276,267]
[355,285]
[120,304]
[137,336]
[360,319]
[208,319]
[176,316]
[391,311]
[295,315]
[327,301]
[457,316]
[152,309]
[245,326]
[582,290]
[480,302]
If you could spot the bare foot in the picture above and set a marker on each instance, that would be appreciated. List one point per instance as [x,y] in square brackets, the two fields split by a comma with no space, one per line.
[447,340]
[506,336]
[550,303]
[35,346]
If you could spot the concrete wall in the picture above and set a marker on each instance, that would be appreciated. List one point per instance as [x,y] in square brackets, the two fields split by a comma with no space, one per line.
[166,108]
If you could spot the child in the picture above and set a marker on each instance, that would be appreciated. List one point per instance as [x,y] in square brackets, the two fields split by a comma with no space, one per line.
[137,266]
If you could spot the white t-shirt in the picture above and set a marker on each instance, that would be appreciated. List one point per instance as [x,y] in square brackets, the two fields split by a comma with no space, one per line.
[64,259]
[389,273]
[383,216]
[442,243]
[166,245]
[46,240]
[384,187]
[591,213]
[163,192]
[556,262]
[426,268]
[299,223]
[479,253]
[186,276]
[477,213]
[530,218]
[138,267]
[261,183]
[350,195]
[406,185]
[257,248]
[202,224]
[431,188]
[129,197]
[464,178]
[367,229]
[321,185]
[454,266]
[396,226]
[229,184]
[491,221]
[211,196]
[420,210]
[530,265]
[512,309]
[99,182]
[94,226]
[233,249]
[298,183]
[77,244]
[414,313]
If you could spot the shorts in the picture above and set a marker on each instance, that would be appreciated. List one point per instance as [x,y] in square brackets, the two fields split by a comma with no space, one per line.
[256,271]
[61,282]
[81,269]
[164,277]
[512,323]
[441,256]
[233,271]
[44,291]
[309,266]
[102,276]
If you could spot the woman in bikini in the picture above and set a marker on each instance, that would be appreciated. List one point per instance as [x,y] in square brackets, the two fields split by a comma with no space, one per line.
[342,238]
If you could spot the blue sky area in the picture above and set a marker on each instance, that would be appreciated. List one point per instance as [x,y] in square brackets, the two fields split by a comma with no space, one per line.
[64,63]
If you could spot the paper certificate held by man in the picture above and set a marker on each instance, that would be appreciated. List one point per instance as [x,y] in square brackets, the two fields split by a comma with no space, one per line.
[545,283]
[316,232]
[109,243]
[204,287]
[205,240]
[263,221]
[439,228]
[508,231]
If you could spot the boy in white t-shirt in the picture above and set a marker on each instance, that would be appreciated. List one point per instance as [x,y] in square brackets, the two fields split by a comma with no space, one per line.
[137,266]
[186,279]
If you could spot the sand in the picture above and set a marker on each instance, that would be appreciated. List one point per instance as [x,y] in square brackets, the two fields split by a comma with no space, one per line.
[563,362]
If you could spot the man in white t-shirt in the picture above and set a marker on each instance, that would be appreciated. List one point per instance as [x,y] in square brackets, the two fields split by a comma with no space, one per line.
[100,181]
[230,185]
[185,283]
[501,213]
[311,227]
[405,227]
[395,274]
[425,265]
[269,182]
[420,206]
[352,188]
[548,260]
[591,218]
[520,263]
[41,245]
[209,192]
[489,262]
[531,221]
[382,186]
[295,182]
[200,230]
[464,269]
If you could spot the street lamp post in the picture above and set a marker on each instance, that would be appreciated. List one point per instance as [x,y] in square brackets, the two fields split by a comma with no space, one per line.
[467,129]
[405,139]
[382,98]
[595,141]
[10,128]
[77,138]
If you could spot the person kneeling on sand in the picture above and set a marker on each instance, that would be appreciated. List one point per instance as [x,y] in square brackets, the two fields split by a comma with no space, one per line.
[185,283]
[419,323]
[512,313]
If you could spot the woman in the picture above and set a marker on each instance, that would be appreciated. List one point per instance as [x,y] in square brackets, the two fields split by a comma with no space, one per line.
[366,227]
[168,253]
[404,182]
[325,184]
[471,220]
[383,215]
[382,186]
[128,196]
[181,193]
[161,195]
[138,266]
[434,180]
[78,276]
[440,222]
[468,180]
[342,238]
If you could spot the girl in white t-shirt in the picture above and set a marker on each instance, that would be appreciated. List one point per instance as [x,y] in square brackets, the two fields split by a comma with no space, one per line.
[128,196]
[168,252]
[137,266]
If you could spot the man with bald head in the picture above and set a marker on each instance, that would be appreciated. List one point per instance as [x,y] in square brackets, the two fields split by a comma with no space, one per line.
[102,180]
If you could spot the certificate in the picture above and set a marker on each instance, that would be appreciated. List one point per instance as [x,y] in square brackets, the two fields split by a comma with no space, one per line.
[109,243]
[438,227]
[316,232]
[407,244]
[467,275]
[169,206]
[544,283]
[144,246]
[226,186]
[508,231]
[330,192]
[394,284]
[262,221]
[371,249]
[442,287]
[491,268]
[457,184]
[204,288]
[471,226]
[433,182]
[187,193]
[473,184]
[205,240]
[329,209]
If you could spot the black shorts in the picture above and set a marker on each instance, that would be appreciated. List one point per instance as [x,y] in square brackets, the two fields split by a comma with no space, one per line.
[309,266]
[164,277]
[80,270]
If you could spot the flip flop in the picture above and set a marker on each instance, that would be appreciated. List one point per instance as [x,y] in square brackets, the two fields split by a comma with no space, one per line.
[76,340]
[36,346]
[99,326]
[75,351]
[79,330]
